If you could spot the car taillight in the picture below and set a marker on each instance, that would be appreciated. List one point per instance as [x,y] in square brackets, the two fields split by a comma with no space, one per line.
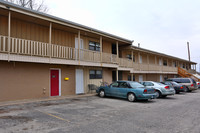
[197,83]
[181,87]
[166,87]
[192,85]
[145,91]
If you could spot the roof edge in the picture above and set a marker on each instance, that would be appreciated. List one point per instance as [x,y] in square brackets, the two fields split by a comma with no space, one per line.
[9,4]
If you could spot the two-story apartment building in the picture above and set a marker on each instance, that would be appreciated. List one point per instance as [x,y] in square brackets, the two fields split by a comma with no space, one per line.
[43,56]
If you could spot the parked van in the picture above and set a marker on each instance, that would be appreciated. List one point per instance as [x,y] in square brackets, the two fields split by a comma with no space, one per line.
[188,82]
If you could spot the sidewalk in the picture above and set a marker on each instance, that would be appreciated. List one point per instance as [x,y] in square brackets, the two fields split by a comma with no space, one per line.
[25,101]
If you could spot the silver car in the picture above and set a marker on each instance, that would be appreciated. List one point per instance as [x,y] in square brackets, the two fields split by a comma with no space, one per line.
[188,82]
[161,89]
[198,84]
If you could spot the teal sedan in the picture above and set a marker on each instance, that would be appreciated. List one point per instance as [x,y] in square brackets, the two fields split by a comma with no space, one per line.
[127,89]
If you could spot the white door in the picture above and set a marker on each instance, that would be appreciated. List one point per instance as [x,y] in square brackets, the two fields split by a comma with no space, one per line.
[81,48]
[140,59]
[161,78]
[79,81]
[160,62]
[140,78]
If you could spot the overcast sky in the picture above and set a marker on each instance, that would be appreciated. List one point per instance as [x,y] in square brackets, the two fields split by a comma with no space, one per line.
[160,25]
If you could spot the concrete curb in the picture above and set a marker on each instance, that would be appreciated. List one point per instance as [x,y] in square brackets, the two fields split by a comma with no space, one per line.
[25,101]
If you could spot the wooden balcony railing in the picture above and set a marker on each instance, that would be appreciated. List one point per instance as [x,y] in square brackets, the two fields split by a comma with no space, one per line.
[109,58]
[34,48]
[123,62]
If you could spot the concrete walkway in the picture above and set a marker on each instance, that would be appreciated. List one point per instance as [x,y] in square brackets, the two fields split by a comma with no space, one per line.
[44,99]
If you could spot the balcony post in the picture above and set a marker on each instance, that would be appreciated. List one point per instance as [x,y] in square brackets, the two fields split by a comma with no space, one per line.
[131,76]
[132,57]
[117,46]
[139,61]
[138,57]
[148,62]
[155,60]
[101,48]
[117,74]
[147,59]
[50,34]
[79,41]
[9,28]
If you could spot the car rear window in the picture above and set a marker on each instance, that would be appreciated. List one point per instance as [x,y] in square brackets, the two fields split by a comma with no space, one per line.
[136,85]
[160,83]
[185,81]
[175,83]
[177,80]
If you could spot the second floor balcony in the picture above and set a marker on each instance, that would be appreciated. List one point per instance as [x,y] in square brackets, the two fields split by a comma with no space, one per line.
[16,49]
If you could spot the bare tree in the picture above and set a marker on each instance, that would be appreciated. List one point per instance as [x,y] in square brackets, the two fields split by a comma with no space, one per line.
[32,4]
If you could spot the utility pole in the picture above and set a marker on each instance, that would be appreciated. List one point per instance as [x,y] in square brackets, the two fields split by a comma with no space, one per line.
[188,51]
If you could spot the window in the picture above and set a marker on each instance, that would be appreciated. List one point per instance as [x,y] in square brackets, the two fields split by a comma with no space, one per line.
[174,64]
[129,77]
[148,84]
[168,83]
[123,85]
[116,84]
[95,74]
[164,62]
[133,77]
[129,56]
[183,65]
[185,81]
[136,85]
[94,46]
[177,80]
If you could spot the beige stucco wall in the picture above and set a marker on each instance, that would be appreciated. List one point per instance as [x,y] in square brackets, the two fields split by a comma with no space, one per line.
[107,75]
[152,77]
[87,79]
[28,80]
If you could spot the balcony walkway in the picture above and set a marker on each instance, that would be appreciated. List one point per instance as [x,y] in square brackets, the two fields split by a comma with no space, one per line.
[16,49]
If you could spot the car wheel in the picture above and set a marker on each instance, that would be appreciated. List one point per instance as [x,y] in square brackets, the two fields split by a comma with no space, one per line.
[131,97]
[158,94]
[102,93]
[177,92]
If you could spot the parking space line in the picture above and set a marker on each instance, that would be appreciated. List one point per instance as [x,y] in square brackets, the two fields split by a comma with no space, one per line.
[54,116]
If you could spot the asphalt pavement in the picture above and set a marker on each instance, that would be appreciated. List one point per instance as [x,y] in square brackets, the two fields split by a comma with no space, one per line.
[174,114]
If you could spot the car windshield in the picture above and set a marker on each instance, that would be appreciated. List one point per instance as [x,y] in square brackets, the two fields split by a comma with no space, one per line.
[136,85]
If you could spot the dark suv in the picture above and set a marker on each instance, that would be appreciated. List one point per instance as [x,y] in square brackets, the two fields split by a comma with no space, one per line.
[188,82]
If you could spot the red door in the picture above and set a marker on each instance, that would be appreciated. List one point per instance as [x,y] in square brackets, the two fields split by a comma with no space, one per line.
[54,82]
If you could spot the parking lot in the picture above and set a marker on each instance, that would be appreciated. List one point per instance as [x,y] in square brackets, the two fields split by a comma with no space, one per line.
[174,114]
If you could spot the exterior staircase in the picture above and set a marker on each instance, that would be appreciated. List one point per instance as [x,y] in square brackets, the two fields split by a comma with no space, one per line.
[183,73]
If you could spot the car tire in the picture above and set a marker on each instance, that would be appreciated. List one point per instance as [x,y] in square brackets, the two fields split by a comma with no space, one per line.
[102,93]
[177,92]
[131,97]
[158,94]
